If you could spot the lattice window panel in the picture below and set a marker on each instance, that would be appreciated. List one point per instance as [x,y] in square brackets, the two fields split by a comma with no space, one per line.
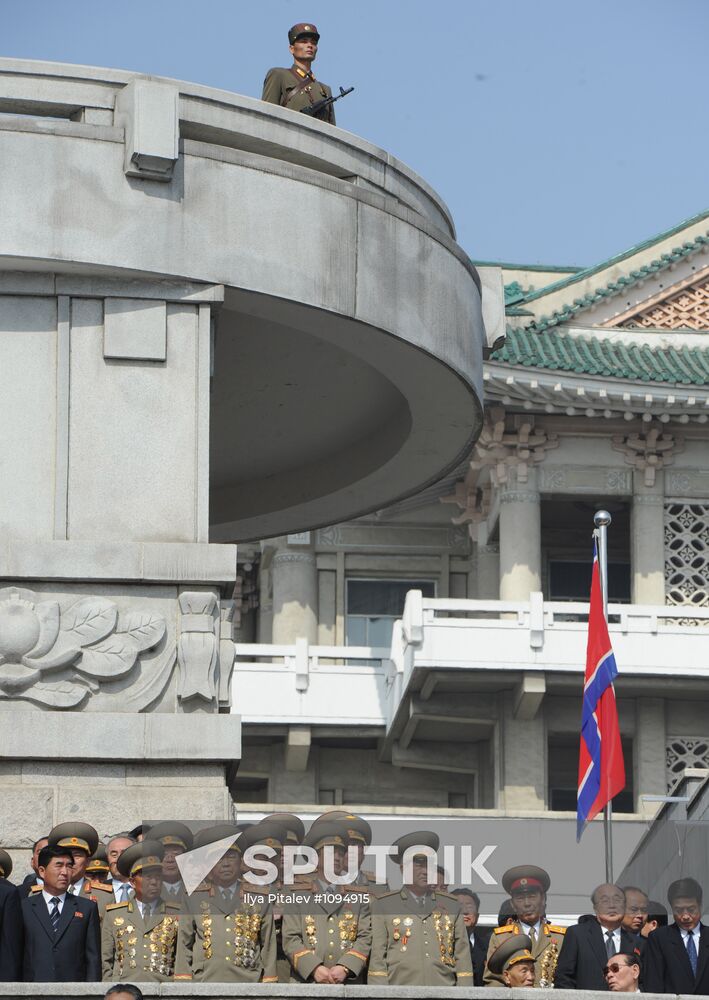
[687,554]
[687,309]
[681,752]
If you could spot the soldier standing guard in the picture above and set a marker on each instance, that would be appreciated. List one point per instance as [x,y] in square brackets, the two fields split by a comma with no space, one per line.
[418,933]
[139,936]
[225,937]
[527,886]
[296,88]
[328,939]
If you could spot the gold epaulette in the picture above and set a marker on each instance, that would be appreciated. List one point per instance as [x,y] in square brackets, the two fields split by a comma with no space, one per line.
[556,929]
[202,887]
[392,892]
[446,895]
[103,886]
[370,875]
[505,929]
[172,906]
[117,906]
[36,888]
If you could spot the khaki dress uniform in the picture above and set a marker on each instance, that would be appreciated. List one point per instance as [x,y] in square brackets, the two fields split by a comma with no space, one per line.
[330,933]
[136,948]
[545,951]
[224,941]
[295,89]
[419,945]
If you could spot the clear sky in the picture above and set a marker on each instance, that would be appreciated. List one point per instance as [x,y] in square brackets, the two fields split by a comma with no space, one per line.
[558,131]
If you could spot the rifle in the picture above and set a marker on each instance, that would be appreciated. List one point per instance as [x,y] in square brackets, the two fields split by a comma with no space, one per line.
[315,109]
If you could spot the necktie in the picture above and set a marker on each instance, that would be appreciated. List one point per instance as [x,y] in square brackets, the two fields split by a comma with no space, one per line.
[610,946]
[54,917]
[532,936]
[692,953]
[123,893]
[72,890]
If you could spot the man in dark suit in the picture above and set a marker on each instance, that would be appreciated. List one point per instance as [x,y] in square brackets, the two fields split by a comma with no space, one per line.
[478,938]
[676,958]
[592,941]
[62,936]
[10,925]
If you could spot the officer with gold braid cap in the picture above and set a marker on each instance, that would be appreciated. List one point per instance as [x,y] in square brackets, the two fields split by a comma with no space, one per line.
[513,961]
[81,840]
[527,886]
[328,938]
[418,933]
[227,934]
[139,936]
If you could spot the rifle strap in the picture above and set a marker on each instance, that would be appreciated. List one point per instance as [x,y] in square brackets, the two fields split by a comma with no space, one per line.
[302,85]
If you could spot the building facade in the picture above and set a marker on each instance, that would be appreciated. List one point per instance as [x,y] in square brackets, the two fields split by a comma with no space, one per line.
[464,696]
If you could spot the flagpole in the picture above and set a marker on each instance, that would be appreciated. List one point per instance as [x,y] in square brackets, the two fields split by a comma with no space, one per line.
[602,519]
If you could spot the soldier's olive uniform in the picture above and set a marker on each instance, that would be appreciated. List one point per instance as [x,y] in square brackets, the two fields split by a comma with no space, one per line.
[425,948]
[545,951]
[223,941]
[329,933]
[295,88]
[139,949]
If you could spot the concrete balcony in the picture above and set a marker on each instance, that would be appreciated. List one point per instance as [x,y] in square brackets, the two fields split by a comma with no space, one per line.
[341,326]
[446,650]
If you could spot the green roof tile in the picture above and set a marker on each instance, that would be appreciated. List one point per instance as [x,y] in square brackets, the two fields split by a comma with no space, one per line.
[555,351]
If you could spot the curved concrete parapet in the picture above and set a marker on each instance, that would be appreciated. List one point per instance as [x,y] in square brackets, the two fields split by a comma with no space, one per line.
[345,357]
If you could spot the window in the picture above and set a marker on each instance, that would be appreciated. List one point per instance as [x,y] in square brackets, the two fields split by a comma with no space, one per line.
[374,605]
[563,767]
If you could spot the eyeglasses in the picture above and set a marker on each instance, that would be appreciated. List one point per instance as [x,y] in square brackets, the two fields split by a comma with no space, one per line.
[615,967]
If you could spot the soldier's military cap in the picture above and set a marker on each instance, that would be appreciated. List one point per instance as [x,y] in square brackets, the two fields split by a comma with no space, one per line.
[301,30]
[211,834]
[422,838]
[294,826]
[525,878]
[98,864]
[141,830]
[356,828]
[138,857]
[517,948]
[267,832]
[172,835]
[75,836]
[322,834]
[5,864]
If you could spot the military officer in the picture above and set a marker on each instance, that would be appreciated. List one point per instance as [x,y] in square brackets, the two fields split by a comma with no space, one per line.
[358,833]
[418,933]
[513,961]
[139,936]
[227,933]
[328,939]
[297,88]
[81,840]
[97,869]
[527,886]
[294,829]
[175,838]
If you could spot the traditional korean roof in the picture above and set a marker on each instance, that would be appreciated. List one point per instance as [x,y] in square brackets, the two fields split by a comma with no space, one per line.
[603,355]
[542,340]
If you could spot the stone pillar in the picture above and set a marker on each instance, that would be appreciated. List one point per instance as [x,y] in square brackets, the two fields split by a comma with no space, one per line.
[487,582]
[523,759]
[649,752]
[647,541]
[520,539]
[295,595]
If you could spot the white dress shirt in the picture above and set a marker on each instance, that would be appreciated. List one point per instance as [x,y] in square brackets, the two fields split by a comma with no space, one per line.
[49,896]
[616,937]
[695,932]
[146,909]
[527,928]
[117,885]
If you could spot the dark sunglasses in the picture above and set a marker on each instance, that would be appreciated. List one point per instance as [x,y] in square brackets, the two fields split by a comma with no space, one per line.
[615,967]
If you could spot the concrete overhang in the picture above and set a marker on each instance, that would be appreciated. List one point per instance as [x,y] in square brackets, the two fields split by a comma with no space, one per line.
[347,365]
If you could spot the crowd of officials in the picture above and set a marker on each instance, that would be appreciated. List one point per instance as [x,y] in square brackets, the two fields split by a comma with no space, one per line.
[128,912]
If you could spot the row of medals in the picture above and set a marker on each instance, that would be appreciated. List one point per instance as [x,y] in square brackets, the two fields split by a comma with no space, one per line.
[403,927]
[347,925]
[161,944]
[242,930]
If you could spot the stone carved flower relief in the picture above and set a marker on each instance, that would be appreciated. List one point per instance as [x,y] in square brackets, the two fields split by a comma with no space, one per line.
[40,644]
